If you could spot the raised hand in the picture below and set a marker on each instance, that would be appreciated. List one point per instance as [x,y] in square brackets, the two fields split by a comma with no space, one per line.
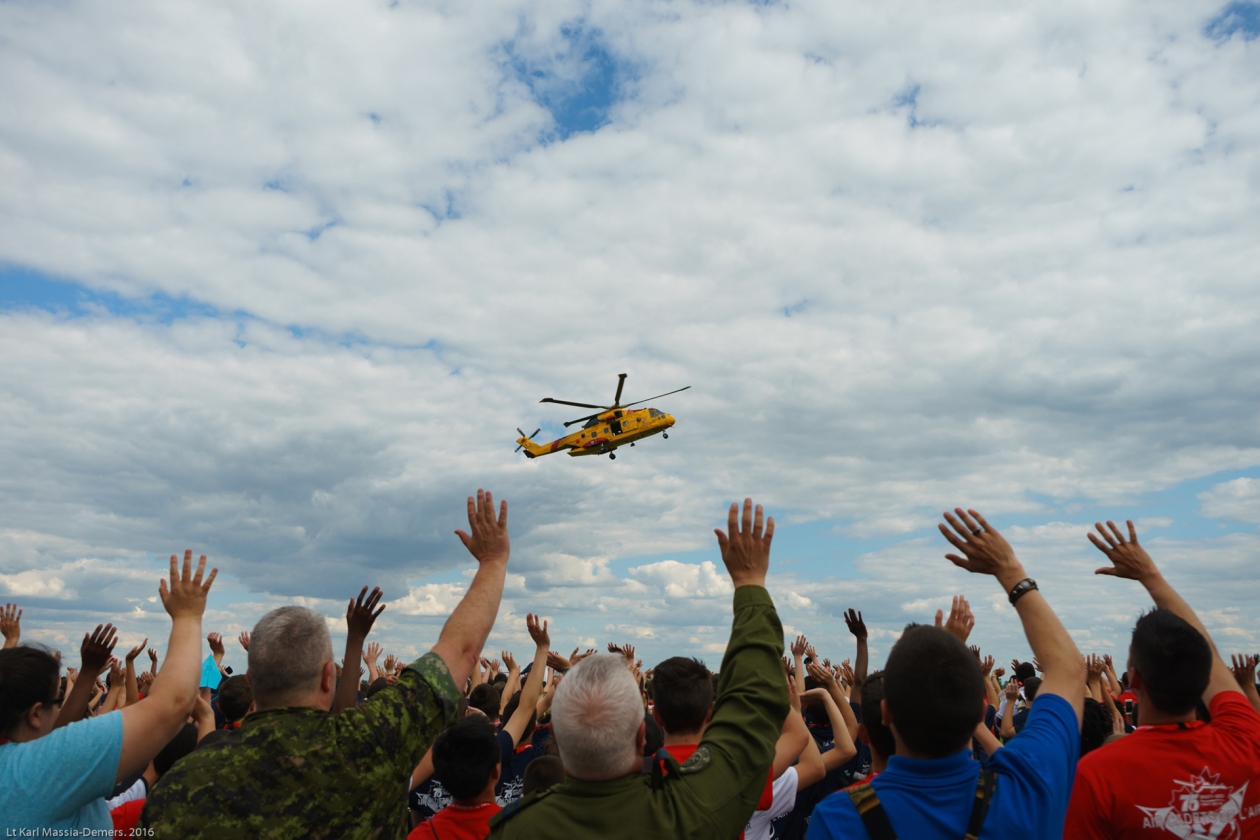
[136,651]
[578,657]
[960,619]
[371,653]
[798,647]
[153,658]
[388,664]
[215,641]
[975,651]
[361,614]
[1094,665]
[494,667]
[984,550]
[97,648]
[185,596]
[556,662]
[853,620]
[488,540]
[821,675]
[986,665]
[399,665]
[509,660]
[811,652]
[999,672]
[11,625]
[72,674]
[538,630]
[1012,691]
[1244,669]
[746,546]
[115,672]
[244,640]
[1128,558]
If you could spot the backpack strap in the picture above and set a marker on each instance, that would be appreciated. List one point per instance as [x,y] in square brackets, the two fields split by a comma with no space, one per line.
[869,808]
[985,786]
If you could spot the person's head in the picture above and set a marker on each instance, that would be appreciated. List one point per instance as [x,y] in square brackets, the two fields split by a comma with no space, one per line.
[1095,725]
[933,693]
[236,698]
[291,660]
[486,699]
[466,758]
[1025,671]
[872,729]
[683,693]
[1031,686]
[597,719]
[541,773]
[514,703]
[499,681]
[1170,663]
[30,697]
[184,742]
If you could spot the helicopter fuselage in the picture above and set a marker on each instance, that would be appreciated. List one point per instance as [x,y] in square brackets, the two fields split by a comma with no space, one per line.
[604,433]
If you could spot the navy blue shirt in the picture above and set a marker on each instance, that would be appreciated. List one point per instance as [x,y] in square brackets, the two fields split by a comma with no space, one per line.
[932,799]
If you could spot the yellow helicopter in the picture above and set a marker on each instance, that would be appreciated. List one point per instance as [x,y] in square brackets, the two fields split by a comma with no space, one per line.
[610,427]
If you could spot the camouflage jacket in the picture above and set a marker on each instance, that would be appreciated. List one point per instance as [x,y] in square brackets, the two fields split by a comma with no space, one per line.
[299,772]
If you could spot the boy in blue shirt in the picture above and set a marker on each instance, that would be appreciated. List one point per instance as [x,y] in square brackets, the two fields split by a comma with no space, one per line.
[934,698]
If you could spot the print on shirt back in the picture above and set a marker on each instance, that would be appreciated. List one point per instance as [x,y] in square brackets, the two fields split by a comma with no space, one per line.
[1201,807]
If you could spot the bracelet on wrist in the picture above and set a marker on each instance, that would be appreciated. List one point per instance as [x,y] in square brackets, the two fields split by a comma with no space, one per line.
[1021,589]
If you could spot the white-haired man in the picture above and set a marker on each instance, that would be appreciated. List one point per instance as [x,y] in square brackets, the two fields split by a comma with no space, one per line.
[597,720]
[292,769]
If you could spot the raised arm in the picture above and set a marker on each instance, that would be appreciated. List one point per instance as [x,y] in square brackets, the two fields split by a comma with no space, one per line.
[513,681]
[133,687]
[792,738]
[752,698]
[853,619]
[149,726]
[798,664]
[1008,711]
[95,652]
[985,551]
[534,683]
[360,616]
[1245,673]
[370,655]
[464,634]
[839,702]
[1129,560]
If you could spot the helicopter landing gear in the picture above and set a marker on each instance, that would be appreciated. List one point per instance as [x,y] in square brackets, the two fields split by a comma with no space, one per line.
[632,444]
[612,456]
[665,435]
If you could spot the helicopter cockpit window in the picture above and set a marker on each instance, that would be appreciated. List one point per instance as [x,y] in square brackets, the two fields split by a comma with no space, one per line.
[594,421]
[652,412]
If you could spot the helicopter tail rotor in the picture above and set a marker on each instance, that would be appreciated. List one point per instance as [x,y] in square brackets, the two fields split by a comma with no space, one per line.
[530,437]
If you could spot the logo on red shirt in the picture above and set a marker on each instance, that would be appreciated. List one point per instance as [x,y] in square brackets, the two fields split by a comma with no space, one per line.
[1200,807]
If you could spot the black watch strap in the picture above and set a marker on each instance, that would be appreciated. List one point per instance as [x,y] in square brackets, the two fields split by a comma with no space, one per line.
[1021,589]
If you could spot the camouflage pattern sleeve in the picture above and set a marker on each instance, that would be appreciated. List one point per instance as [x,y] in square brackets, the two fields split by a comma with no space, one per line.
[408,715]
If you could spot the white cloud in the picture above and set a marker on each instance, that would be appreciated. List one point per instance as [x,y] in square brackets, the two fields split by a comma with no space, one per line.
[1238,500]
[684,580]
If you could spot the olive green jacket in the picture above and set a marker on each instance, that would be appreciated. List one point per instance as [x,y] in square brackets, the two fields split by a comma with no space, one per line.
[714,792]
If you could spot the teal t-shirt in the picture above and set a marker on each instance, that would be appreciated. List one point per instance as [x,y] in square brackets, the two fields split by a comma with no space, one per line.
[61,780]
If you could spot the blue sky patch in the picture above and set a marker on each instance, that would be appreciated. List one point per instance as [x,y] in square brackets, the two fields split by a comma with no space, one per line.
[1239,16]
[28,288]
[578,86]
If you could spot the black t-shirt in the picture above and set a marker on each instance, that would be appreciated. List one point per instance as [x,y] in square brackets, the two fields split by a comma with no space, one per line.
[512,769]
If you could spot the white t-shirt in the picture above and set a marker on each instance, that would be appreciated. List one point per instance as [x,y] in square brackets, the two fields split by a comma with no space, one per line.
[61,780]
[784,799]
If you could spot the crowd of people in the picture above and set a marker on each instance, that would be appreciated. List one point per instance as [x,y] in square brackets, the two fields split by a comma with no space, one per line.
[941,742]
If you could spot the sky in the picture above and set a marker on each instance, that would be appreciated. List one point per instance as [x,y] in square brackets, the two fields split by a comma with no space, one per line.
[280,280]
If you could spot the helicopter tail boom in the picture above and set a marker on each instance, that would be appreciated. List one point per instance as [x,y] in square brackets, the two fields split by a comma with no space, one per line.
[532,450]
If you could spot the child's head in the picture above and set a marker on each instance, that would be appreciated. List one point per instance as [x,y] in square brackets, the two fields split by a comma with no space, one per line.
[466,758]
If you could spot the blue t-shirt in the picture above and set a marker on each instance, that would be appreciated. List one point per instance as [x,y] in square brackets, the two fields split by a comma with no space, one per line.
[61,780]
[930,799]
[513,760]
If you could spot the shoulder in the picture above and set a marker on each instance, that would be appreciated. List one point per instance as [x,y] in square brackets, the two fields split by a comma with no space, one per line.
[514,809]
[836,816]
[1233,708]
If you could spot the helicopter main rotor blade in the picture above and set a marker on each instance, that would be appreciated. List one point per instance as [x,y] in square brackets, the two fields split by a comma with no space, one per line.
[621,383]
[582,420]
[657,397]
[579,405]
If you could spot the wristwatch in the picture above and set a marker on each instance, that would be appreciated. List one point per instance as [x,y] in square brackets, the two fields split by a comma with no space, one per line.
[1021,589]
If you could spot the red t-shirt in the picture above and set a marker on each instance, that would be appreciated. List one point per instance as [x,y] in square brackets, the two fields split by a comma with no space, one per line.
[126,817]
[1172,781]
[457,822]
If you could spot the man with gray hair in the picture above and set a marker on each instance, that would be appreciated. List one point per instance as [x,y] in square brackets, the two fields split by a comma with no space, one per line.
[597,721]
[294,770]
